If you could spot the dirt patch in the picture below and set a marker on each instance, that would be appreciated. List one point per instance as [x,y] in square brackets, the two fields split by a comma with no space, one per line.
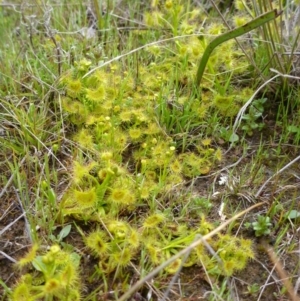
[14,240]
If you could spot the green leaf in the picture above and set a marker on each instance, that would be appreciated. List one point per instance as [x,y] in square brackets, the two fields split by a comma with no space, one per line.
[64,232]
[246,117]
[253,126]
[293,129]
[52,237]
[293,214]
[51,195]
[75,259]
[39,265]
[233,138]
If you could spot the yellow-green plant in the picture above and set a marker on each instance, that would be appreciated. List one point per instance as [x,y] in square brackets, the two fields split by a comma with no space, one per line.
[133,132]
[115,247]
[56,275]
[109,125]
[159,239]
[174,15]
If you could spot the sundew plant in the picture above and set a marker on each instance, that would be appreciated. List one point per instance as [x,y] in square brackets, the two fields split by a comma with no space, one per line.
[133,129]
[133,134]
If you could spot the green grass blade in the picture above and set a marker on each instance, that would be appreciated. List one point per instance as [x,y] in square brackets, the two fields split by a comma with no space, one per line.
[232,34]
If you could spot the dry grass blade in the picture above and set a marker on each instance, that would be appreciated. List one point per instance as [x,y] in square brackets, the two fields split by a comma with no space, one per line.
[8,257]
[282,274]
[12,223]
